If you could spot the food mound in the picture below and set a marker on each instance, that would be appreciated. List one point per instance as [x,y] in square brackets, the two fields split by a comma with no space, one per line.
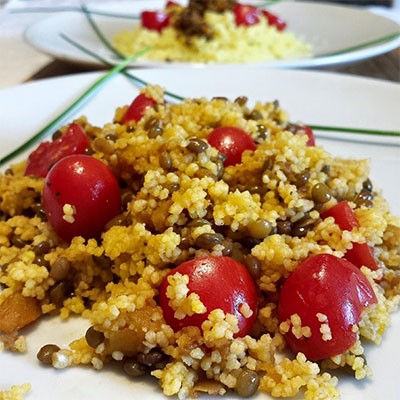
[210,243]
[211,31]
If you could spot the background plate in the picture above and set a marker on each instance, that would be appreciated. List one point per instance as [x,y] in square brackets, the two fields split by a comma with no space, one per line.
[335,33]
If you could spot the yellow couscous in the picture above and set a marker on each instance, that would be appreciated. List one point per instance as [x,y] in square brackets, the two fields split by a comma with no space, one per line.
[222,41]
[16,392]
[182,202]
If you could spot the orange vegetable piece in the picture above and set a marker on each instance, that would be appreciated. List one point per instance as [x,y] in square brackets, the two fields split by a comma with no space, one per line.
[17,311]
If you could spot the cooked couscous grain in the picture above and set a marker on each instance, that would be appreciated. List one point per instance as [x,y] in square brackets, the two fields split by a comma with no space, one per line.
[15,392]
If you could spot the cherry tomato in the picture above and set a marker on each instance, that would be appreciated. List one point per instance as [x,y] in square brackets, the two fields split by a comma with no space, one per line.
[231,142]
[221,283]
[80,196]
[154,20]
[274,20]
[171,4]
[246,14]
[324,286]
[73,141]
[301,129]
[137,108]
[306,130]
[361,254]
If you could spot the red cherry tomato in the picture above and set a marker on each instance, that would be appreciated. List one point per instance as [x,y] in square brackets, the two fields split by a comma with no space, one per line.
[154,20]
[246,14]
[324,285]
[171,4]
[274,20]
[221,283]
[300,129]
[87,187]
[361,253]
[137,108]
[231,142]
[73,141]
[306,130]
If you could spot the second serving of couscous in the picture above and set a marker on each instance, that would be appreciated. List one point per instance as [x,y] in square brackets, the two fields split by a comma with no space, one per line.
[211,32]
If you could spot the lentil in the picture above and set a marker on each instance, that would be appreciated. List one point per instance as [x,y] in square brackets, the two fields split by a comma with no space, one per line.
[154,132]
[152,122]
[165,161]
[134,369]
[253,265]
[241,100]
[320,193]
[197,146]
[302,178]
[103,145]
[102,261]
[60,268]
[209,240]
[260,229]
[150,359]
[284,227]
[39,260]
[94,338]
[364,198]
[247,383]
[367,185]
[301,227]
[45,354]
[59,293]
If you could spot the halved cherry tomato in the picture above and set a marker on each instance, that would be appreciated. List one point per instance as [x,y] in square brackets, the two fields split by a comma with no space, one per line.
[221,283]
[246,14]
[73,141]
[137,108]
[154,20]
[361,254]
[80,196]
[274,20]
[231,142]
[329,294]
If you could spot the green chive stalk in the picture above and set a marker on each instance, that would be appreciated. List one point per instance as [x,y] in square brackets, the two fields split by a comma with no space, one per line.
[73,108]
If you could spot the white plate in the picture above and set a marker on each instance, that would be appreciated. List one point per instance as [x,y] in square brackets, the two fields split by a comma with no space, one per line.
[320,98]
[335,33]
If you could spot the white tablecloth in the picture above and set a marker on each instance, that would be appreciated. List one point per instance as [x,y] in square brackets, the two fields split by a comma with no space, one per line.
[19,60]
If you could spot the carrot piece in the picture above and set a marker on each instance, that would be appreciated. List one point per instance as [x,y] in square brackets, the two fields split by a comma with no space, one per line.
[18,311]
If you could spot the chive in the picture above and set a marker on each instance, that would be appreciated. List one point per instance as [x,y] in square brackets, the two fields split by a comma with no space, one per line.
[29,10]
[360,131]
[99,33]
[124,72]
[361,46]
[70,110]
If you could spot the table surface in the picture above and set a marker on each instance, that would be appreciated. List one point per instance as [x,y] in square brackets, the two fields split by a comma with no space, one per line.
[386,66]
